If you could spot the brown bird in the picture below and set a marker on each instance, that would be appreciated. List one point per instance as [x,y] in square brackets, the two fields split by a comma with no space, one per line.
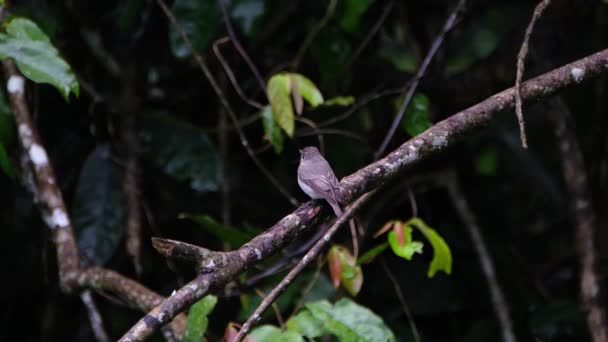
[317,179]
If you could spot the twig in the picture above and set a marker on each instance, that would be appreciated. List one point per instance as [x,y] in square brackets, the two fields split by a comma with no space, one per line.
[331,8]
[499,303]
[220,94]
[275,308]
[437,138]
[449,24]
[521,57]
[94,316]
[370,34]
[399,293]
[230,74]
[128,116]
[315,129]
[239,47]
[308,257]
[581,206]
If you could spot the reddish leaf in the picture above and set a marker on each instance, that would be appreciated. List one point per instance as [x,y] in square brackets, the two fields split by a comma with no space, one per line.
[399,232]
[335,265]
[230,332]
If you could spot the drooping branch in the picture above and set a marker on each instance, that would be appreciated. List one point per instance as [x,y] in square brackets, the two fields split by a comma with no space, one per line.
[412,152]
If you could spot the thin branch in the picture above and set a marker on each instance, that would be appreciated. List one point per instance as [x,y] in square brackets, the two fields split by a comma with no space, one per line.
[521,57]
[399,293]
[94,316]
[130,143]
[315,129]
[239,47]
[329,12]
[220,94]
[432,141]
[449,24]
[499,302]
[385,12]
[230,74]
[581,206]
[308,257]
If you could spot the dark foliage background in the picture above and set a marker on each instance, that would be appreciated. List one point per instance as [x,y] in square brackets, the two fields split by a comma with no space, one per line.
[517,194]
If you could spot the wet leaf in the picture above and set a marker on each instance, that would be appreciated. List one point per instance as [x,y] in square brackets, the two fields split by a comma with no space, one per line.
[98,206]
[442,256]
[279,89]
[409,247]
[36,57]
[416,119]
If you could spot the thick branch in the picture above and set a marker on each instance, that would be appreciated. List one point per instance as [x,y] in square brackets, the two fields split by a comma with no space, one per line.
[433,140]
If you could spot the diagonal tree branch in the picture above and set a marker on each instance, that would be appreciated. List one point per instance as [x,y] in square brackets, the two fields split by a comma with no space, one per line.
[412,152]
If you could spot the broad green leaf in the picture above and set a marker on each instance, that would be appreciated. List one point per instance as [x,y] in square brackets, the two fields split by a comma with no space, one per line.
[197,323]
[349,321]
[307,88]
[227,234]
[342,101]
[5,162]
[351,15]
[486,162]
[98,206]
[182,151]
[272,132]
[36,57]
[408,249]
[369,256]
[279,89]
[442,256]
[269,333]
[199,20]
[305,324]
[416,118]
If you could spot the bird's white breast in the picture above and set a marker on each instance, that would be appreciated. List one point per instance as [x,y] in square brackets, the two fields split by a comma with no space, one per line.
[308,190]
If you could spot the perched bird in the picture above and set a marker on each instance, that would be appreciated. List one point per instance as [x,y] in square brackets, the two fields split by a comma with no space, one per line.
[317,179]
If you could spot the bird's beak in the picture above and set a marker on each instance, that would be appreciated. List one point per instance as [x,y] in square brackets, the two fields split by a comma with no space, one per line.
[300,152]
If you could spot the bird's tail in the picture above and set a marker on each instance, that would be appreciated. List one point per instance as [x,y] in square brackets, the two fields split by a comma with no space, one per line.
[336,207]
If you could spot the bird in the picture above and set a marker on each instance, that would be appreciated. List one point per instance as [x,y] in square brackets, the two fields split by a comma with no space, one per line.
[317,179]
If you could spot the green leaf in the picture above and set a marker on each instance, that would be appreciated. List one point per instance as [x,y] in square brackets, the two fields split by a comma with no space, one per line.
[272,132]
[307,88]
[486,162]
[305,324]
[341,101]
[369,256]
[5,162]
[416,118]
[269,333]
[182,151]
[409,248]
[98,206]
[349,321]
[197,323]
[36,57]
[351,16]
[199,20]
[442,256]
[279,89]
[227,234]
